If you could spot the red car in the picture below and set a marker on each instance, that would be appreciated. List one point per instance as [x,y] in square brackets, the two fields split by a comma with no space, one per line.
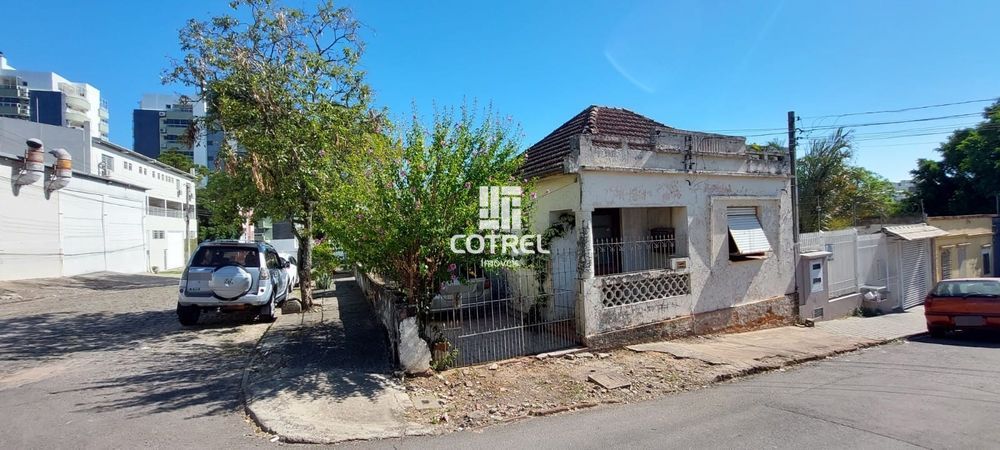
[963,303]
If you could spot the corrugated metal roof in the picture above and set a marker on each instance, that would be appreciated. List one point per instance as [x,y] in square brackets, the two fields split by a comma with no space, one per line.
[914,232]
[747,234]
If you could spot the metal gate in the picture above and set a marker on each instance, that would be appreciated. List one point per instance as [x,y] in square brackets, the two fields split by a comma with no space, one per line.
[492,314]
[915,272]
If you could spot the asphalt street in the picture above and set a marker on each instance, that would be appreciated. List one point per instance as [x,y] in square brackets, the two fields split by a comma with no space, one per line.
[103,363]
[921,393]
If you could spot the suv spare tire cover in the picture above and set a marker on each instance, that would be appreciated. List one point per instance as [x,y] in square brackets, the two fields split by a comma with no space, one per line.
[230,282]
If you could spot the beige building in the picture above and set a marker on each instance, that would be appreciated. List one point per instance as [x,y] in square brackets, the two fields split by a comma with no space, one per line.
[967,249]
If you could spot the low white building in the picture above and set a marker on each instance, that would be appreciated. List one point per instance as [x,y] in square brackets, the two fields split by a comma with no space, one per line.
[121,212]
[676,232]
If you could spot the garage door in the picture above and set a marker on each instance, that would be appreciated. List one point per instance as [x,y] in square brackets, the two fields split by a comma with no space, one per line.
[915,276]
[175,249]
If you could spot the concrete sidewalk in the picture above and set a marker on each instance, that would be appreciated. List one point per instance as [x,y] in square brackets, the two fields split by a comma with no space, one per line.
[741,353]
[323,376]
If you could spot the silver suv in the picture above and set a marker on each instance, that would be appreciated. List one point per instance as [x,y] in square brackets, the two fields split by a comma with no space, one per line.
[231,276]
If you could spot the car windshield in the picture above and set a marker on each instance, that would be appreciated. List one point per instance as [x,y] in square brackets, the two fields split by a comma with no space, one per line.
[971,288]
[217,256]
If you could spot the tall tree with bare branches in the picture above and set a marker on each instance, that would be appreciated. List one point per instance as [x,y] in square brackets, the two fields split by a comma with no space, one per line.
[283,84]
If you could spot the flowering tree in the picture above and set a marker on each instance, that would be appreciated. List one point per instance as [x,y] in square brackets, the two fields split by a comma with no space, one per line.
[284,84]
[407,198]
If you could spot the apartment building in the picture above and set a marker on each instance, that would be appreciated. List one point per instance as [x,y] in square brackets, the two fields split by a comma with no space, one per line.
[49,98]
[167,122]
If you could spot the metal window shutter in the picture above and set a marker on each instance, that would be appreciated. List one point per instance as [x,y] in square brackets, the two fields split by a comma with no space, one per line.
[746,232]
[741,211]
[916,281]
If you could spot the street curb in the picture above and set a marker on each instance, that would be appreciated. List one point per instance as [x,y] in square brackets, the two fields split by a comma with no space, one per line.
[244,399]
[798,361]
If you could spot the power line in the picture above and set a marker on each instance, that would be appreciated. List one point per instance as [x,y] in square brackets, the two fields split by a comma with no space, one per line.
[912,108]
[869,124]
[885,111]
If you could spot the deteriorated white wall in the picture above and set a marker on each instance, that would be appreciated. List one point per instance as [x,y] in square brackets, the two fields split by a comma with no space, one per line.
[716,282]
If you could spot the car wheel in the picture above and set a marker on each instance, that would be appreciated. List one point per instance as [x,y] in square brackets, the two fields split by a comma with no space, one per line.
[937,332]
[188,315]
[271,311]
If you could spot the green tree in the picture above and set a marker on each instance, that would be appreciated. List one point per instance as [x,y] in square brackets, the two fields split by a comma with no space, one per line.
[399,211]
[176,160]
[284,83]
[966,180]
[833,193]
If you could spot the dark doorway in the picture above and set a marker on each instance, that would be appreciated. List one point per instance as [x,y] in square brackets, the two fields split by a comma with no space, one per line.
[607,223]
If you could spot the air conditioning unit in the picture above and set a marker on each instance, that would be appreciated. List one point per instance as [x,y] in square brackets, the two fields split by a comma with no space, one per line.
[679,263]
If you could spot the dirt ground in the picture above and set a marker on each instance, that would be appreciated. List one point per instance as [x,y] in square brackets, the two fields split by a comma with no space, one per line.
[476,396]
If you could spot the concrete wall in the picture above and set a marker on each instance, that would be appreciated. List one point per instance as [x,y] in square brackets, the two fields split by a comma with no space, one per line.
[89,226]
[974,233]
[705,201]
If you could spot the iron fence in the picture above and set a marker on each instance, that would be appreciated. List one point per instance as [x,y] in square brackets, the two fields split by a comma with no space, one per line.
[613,256]
[493,314]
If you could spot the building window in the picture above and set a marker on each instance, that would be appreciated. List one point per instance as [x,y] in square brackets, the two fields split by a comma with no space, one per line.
[747,240]
[158,234]
[945,263]
[987,260]
[961,259]
[107,166]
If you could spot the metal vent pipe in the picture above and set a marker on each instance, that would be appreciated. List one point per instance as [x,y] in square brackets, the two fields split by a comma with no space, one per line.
[62,171]
[34,163]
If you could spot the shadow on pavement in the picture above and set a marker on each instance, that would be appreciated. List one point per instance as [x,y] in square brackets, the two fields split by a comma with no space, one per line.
[341,354]
[964,338]
[148,361]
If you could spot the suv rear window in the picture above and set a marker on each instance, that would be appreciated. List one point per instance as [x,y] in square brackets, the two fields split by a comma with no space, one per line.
[217,256]
[967,289]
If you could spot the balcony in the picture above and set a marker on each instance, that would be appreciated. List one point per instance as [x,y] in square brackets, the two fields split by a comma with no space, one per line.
[103,112]
[15,110]
[103,127]
[75,118]
[12,91]
[76,98]
[166,212]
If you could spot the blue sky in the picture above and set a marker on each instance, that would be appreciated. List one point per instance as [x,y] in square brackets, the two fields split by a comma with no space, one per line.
[699,65]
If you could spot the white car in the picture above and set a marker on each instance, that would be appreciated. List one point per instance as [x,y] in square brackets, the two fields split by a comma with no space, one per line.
[292,269]
[458,295]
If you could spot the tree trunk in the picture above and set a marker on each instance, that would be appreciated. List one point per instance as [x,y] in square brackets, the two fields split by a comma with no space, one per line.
[305,238]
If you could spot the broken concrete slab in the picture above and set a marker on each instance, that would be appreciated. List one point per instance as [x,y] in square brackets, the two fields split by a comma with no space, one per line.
[756,349]
[425,401]
[610,380]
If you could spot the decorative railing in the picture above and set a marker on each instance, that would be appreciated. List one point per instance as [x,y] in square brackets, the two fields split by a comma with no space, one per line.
[613,256]
[628,289]
[165,212]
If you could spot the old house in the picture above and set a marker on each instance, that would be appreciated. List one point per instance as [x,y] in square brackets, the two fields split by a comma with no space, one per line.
[967,249]
[675,231]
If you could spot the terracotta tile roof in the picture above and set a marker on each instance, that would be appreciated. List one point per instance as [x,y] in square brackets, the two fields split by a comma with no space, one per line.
[546,156]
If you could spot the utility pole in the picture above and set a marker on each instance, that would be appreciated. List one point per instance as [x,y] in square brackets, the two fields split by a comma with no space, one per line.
[795,181]
[187,222]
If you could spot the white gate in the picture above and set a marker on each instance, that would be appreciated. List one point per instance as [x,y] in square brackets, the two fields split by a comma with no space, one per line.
[915,271]
[842,269]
